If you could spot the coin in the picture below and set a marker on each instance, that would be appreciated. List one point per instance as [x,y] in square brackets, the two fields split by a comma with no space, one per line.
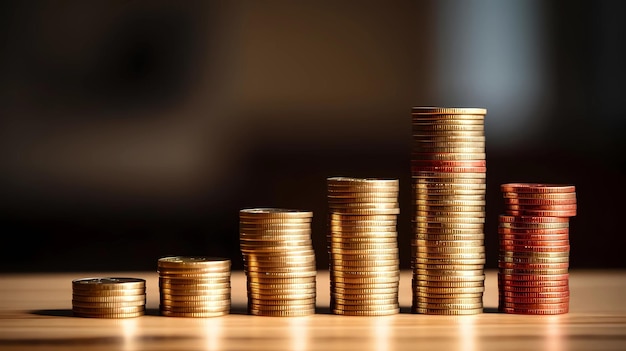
[108,283]
[537,188]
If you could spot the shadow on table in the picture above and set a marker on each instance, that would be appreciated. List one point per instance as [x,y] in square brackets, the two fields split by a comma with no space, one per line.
[53,313]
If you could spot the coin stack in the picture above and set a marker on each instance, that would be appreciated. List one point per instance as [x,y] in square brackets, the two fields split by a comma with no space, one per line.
[279,261]
[448,179]
[363,246]
[533,265]
[194,286]
[108,297]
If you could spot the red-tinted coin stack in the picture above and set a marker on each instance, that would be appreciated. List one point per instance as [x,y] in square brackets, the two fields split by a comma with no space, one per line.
[533,265]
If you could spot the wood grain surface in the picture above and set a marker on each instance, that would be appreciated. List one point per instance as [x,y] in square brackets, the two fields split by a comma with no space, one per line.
[35,314]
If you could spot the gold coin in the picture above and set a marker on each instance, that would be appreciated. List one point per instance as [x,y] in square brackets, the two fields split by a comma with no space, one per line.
[78,303]
[263,228]
[448,284]
[365,303]
[428,119]
[282,313]
[279,270]
[431,277]
[360,196]
[259,279]
[368,280]
[108,283]
[448,290]
[450,267]
[452,250]
[451,234]
[429,224]
[448,243]
[347,239]
[450,202]
[281,299]
[290,307]
[385,307]
[366,211]
[337,270]
[109,299]
[194,281]
[213,304]
[426,149]
[195,292]
[281,293]
[211,297]
[446,274]
[225,276]
[105,293]
[196,262]
[194,314]
[390,235]
[447,256]
[334,285]
[364,263]
[367,313]
[274,213]
[437,300]
[219,309]
[362,182]
[448,260]
[446,312]
[460,218]
[109,315]
[105,310]
[450,112]
[448,306]
[454,210]
[384,292]
[371,218]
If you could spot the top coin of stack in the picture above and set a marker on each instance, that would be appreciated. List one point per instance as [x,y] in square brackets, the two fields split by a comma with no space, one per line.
[108,297]
[448,172]
[279,261]
[533,265]
[363,246]
[194,286]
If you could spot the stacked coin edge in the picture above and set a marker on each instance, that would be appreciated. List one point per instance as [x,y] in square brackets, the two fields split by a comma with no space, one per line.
[362,246]
[279,261]
[533,264]
[448,168]
[108,297]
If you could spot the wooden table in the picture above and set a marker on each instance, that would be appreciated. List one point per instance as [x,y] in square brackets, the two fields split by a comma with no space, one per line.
[35,314]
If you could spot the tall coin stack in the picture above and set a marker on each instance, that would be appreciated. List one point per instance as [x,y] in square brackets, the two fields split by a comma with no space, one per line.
[194,286]
[279,261]
[363,246]
[448,179]
[533,265]
[109,297]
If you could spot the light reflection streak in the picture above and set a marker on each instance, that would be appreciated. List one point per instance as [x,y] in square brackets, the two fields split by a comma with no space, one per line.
[212,333]
[129,332]
[298,329]
[467,333]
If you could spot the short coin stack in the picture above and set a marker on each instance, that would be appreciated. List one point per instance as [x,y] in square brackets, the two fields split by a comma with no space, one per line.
[279,261]
[363,246]
[108,297]
[448,169]
[192,286]
[533,265]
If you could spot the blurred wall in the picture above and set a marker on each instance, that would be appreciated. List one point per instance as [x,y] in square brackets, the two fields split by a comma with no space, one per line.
[136,129]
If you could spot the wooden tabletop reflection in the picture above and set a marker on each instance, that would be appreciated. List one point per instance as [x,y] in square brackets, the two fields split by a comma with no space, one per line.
[35,314]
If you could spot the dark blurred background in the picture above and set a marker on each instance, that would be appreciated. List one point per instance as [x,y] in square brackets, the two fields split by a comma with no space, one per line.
[130,130]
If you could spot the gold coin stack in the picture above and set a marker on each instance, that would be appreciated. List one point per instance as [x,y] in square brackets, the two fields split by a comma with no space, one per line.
[109,297]
[363,246]
[279,261]
[533,275]
[192,286]
[448,174]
